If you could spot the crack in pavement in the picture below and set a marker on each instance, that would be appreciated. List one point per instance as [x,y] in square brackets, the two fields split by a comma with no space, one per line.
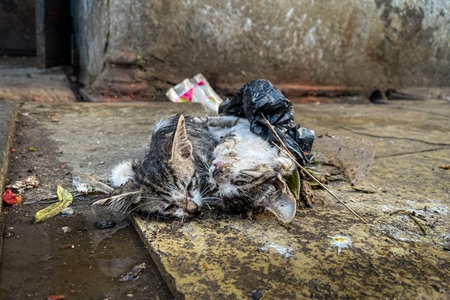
[394,137]
[424,112]
[412,152]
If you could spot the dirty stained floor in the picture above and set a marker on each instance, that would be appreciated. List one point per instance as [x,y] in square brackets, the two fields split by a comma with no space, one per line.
[326,252]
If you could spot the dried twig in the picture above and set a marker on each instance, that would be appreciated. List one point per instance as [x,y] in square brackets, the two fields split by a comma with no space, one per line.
[404,211]
[286,150]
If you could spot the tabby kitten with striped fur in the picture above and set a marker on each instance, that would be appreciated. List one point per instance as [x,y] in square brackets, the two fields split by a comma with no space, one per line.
[172,179]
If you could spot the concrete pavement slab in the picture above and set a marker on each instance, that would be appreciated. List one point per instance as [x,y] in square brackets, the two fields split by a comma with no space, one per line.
[326,252]
[21,80]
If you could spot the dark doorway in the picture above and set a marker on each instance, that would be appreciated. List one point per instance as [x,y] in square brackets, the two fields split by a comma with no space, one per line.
[54,30]
[41,28]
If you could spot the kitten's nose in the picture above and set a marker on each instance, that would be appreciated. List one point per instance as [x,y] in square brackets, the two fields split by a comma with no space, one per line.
[191,208]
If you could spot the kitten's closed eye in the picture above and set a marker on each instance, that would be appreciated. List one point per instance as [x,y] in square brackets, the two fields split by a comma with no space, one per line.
[189,187]
[240,182]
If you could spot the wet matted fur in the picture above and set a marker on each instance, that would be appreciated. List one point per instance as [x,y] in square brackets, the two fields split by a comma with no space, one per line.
[193,161]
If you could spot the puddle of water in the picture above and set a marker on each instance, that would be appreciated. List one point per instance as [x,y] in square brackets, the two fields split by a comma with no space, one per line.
[39,259]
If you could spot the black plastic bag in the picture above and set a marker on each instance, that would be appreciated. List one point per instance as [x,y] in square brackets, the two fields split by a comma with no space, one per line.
[259,97]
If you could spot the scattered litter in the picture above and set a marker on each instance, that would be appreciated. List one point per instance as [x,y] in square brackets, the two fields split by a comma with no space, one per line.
[341,242]
[24,184]
[10,198]
[65,199]
[105,224]
[365,191]
[55,119]
[32,149]
[56,297]
[445,167]
[13,150]
[257,294]
[67,212]
[205,266]
[133,274]
[8,234]
[66,229]
[196,89]
[66,246]
[87,184]
[84,188]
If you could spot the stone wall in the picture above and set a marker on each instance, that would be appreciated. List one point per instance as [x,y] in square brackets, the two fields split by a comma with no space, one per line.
[142,47]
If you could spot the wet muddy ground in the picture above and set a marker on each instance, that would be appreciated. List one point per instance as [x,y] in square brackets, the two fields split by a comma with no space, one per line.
[70,255]
[84,263]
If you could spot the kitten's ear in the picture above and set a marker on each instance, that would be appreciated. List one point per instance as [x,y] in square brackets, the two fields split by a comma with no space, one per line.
[181,146]
[284,205]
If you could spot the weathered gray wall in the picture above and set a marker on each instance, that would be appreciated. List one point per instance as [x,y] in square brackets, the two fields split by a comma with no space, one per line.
[354,43]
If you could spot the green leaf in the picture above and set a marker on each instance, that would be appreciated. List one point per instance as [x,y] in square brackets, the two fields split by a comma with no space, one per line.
[293,183]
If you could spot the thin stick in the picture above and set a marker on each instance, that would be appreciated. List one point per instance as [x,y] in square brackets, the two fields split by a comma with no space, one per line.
[286,150]
[404,211]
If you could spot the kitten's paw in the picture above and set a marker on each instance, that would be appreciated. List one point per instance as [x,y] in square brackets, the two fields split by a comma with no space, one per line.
[123,172]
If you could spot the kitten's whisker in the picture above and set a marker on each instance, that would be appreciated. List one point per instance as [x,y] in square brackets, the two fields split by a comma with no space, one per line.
[103,201]
[135,208]
[205,190]
[212,198]
[248,196]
